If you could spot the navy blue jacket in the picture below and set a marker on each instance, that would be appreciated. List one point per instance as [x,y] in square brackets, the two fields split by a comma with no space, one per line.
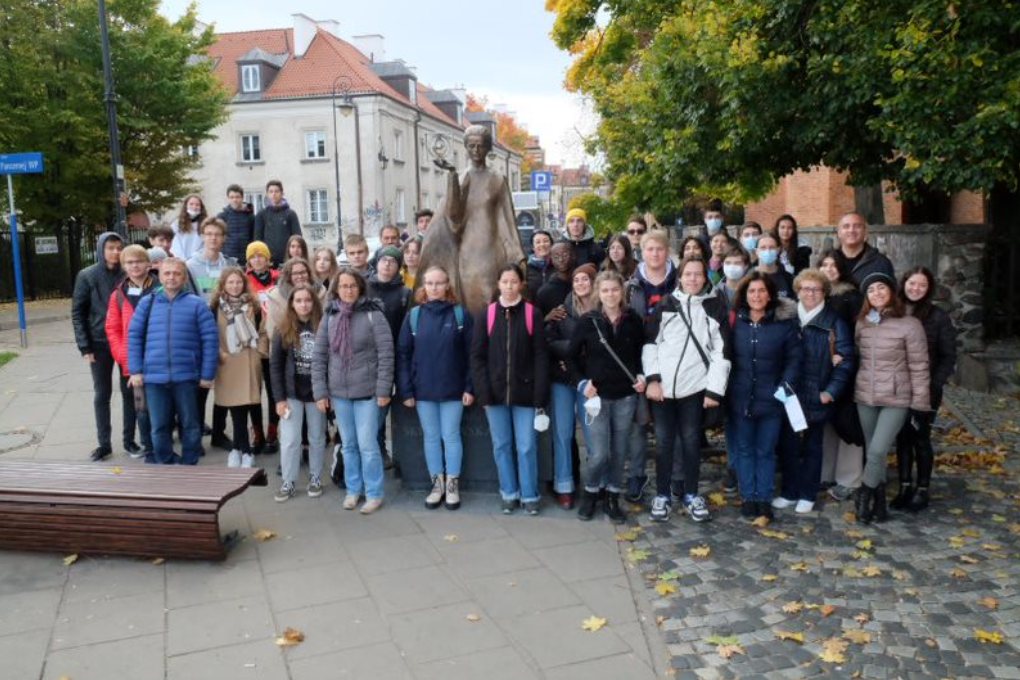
[172,341]
[434,364]
[764,355]
[823,334]
[240,230]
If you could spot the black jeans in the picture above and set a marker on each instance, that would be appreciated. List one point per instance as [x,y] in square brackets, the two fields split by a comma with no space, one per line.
[103,370]
[913,443]
[678,433]
[239,417]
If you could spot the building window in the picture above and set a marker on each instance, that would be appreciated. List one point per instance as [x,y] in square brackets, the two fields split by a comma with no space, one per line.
[315,144]
[191,151]
[257,199]
[250,150]
[398,145]
[401,207]
[318,206]
[251,78]
[425,200]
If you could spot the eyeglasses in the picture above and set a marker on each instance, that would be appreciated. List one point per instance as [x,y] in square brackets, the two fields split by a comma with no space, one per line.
[131,262]
[348,286]
[635,232]
[810,289]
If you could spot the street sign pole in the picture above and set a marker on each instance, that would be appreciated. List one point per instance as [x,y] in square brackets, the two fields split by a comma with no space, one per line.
[16,250]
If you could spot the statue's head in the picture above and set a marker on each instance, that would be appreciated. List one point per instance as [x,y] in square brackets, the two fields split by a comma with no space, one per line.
[480,133]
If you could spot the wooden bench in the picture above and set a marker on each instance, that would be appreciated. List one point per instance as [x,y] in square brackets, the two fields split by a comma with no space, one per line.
[142,510]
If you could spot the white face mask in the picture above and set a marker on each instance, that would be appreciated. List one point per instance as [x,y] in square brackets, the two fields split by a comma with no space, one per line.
[194,213]
[541,421]
[592,407]
[734,272]
[714,225]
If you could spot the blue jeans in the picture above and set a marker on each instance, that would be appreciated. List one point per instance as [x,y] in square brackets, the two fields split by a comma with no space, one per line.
[381,434]
[678,434]
[637,444]
[509,425]
[800,455]
[440,429]
[290,439]
[162,401]
[754,442]
[607,439]
[567,406]
[359,427]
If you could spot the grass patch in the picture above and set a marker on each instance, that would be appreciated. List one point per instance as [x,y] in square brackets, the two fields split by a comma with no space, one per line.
[6,356]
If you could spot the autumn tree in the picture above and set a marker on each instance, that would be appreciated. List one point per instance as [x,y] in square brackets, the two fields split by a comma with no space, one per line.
[730,95]
[52,77]
[509,132]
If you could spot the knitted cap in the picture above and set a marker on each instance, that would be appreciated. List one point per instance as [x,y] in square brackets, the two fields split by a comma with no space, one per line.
[577,212]
[586,268]
[394,252]
[156,254]
[878,277]
[257,248]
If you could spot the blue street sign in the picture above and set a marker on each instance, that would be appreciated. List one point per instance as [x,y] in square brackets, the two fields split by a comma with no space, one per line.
[541,181]
[29,163]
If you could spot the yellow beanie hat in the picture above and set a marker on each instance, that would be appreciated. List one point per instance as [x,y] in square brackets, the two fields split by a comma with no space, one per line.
[257,248]
[577,212]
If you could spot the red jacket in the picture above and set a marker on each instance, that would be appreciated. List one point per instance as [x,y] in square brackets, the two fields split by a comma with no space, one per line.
[118,319]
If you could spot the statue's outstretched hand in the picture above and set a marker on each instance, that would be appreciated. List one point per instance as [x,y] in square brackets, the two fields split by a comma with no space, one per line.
[444,164]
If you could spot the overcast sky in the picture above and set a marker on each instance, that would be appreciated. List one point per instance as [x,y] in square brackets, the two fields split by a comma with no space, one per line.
[496,48]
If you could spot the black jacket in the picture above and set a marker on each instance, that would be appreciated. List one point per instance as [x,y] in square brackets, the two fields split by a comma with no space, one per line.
[240,230]
[553,293]
[591,360]
[846,300]
[509,367]
[282,370]
[870,261]
[941,335]
[538,275]
[586,249]
[92,288]
[393,297]
[274,225]
[558,334]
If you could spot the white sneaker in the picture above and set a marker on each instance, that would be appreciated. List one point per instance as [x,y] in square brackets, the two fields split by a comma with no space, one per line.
[234,459]
[247,460]
[804,507]
[780,503]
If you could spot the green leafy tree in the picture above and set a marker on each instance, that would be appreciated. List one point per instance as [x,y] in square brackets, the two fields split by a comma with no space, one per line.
[51,73]
[725,97]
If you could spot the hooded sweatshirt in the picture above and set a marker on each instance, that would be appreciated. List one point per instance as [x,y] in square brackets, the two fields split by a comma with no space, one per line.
[585,248]
[92,288]
[274,225]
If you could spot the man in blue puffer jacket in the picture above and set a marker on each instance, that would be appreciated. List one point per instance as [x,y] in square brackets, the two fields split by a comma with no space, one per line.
[173,348]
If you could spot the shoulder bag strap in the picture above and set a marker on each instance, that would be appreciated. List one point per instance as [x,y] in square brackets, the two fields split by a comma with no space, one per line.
[605,344]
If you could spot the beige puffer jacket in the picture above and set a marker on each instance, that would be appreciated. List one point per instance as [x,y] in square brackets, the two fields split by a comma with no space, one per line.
[893,364]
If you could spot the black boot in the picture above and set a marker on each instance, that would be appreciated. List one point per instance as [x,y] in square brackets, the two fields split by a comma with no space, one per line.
[902,499]
[881,512]
[920,500]
[863,504]
[586,506]
[614,512]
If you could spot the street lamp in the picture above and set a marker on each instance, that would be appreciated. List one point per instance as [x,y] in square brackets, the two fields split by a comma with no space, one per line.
[342,87]
[110,97]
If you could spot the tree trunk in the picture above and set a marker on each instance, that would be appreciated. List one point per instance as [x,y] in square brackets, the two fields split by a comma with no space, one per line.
[868,203]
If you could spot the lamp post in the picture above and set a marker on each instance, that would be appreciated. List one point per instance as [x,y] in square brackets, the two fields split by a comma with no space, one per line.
[342,87]
[110,97]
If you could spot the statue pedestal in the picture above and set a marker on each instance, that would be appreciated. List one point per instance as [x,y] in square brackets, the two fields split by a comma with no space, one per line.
[478,471]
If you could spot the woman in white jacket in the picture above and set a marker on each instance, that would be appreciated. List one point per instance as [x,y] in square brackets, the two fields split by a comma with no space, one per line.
[685,361]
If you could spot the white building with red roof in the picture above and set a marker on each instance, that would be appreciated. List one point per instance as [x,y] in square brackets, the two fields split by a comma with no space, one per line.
[283,85]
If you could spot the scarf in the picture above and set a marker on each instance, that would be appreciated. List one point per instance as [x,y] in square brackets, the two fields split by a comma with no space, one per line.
[805,316]
[537,262]
[264,277]
[340,340]
[241,332]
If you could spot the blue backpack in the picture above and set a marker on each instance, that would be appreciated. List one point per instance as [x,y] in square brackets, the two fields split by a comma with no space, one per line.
[458,313]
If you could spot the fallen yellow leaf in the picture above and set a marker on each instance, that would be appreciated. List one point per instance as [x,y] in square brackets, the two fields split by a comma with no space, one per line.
[70,559]
[116,469]
[849,517]
[760,521]
[451,538]
[852,572]
[991,547]
[665,588]
[629,536]
[772,533]
[290,637]
[833,650]
[794,607]
[786,635]
[901,575]
[857,636]
[956,541]
[861,555]
[853,533]
[264,535]
[799,566]
[972,533]
[717,499]
[593,623]
[473,618]
[955,511]
[862,618]
[827,610]
[157,560]
[967,559]
[700,551]
[726,651]
[987,636]
[637,555]
[871,570]
[865,544]
[769,578]
[989,602]
[958,573]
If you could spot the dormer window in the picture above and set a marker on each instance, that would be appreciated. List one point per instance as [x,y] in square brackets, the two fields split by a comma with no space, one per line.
[251,78]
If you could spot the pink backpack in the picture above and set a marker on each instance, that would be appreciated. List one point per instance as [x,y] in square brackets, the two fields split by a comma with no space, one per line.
[529,317]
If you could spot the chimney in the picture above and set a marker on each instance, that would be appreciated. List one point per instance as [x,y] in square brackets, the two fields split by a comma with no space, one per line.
[304,32]
[331,26]
[372,45]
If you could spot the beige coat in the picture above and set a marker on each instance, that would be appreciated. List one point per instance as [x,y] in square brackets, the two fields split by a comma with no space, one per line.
[893,364]
[239,378]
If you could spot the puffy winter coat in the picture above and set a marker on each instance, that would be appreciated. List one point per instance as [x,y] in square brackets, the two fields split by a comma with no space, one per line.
[172,341]
[274,225]
[593,361]
[558,335]
[92,288]
[539,272]
[433,363]
[670,356]
[765,355]
[239,378]
[119,315]
[510,366]
[240,230]
[893,364]
[370,371]
[821,337]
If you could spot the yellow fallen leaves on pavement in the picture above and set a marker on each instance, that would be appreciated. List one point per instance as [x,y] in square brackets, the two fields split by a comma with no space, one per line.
[989,637]
[665,588]
[290,637]
[700,551]
[70,559]
[787,635]
[857,636]
[799,566]
[593,623]
[263,535]
[726,651]
[473,618]
[794,607]
[989,602]
[833,650]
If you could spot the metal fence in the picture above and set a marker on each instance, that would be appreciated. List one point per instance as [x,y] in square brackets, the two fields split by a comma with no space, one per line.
[49,262]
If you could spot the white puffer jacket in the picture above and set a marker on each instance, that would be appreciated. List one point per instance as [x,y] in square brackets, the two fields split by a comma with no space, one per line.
[674,360]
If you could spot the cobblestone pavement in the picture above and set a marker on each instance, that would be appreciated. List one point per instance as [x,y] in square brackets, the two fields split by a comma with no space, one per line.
[933,595]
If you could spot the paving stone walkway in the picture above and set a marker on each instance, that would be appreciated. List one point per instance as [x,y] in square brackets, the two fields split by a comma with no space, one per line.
[820,595]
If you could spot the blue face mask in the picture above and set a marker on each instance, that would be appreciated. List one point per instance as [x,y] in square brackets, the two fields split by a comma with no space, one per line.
[749,243]
[714,225]
[734,272]
[768,257]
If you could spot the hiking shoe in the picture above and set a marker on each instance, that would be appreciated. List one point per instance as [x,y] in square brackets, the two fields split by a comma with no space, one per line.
[530,507]
[780,503]
[730,482]
[804,507]
[234,459]
[314,487]
[435,497]
[696,508]
[247,460]
[636,489]
[840,493]
[509,506]
[370,506]
[660,509]
[99,453]
[285,493]
[452,493]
